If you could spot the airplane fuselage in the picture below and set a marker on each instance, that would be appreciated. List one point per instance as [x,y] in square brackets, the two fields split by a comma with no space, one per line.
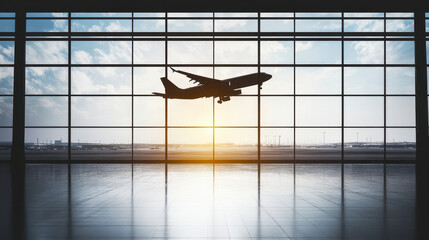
[229,87]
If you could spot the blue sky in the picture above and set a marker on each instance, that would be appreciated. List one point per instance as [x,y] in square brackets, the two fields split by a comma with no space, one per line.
[311,111]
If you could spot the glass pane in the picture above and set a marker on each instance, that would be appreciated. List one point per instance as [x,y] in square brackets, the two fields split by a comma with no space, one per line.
[6,111]
[317,14]
[235,14]
[320,52]
[401,25]
[190,144]
[5,143]
[189,14]
[6,80]
[101,143]
[149,111]
[46,143]
[48,14]
[236,52]
[190,112]
[400,80]
[236,144]
[149,25]
[100,15]
[355,25]
[318,80]
[318,144]
[277,52]
[7,51]
[277,111]
[223,73]
[232,113]
[400,52]
[399,14]
[318,111]
[365,14]
[364,144]
[49,52]
[54,25]
[7,25]
[318,25]
[101,111]
[46,80]
[101,80]
[101,52]
[190,52]
[401,143]
[241,25]
[400,111]
[194,25]
[277,144]
[149,52]
[276,25]
[147,80]
[281,81]
[96,25]
[363,80]
[363,111]
[46,111]
[149,144]
[363,52]
[278,14]
[149,14]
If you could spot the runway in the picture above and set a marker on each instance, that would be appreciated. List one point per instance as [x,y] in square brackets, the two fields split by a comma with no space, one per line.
[225,154]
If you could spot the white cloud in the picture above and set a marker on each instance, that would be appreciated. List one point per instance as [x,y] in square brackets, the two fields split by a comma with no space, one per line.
[94,28]
[6,72]
[276,52]
[60,25]
[244,52]
[149,52]
[82,57]
[190,52]
[116,52]
[234,25]
[111,111]
[369,52]
[302,46]
[115,27]
[353,25]
[48,52]
[55,14]
[101,80]
[6,54]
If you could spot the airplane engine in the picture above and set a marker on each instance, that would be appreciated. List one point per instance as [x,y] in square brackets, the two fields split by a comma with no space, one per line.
[225,98]
[236,92]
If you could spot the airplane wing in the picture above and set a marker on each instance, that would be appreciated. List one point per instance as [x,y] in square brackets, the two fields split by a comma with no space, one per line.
[199,79]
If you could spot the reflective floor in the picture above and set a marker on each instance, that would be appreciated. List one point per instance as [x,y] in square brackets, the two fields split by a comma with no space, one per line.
[195,201]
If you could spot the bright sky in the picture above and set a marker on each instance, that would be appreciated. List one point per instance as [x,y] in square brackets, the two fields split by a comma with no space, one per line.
[317,111]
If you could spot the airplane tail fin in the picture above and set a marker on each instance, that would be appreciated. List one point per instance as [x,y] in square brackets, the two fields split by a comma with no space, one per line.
[169,86]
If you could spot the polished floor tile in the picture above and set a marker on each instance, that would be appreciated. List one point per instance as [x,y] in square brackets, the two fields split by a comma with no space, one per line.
[225,201]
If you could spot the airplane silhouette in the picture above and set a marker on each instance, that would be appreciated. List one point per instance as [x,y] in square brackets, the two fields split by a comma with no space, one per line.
[210,87]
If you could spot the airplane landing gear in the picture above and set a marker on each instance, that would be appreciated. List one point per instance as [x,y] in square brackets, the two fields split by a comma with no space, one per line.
[223,99]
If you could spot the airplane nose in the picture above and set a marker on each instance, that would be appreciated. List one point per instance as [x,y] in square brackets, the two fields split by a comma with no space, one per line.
[267,77]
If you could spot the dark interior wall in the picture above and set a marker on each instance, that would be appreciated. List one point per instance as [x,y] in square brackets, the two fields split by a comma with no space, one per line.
[214,5]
